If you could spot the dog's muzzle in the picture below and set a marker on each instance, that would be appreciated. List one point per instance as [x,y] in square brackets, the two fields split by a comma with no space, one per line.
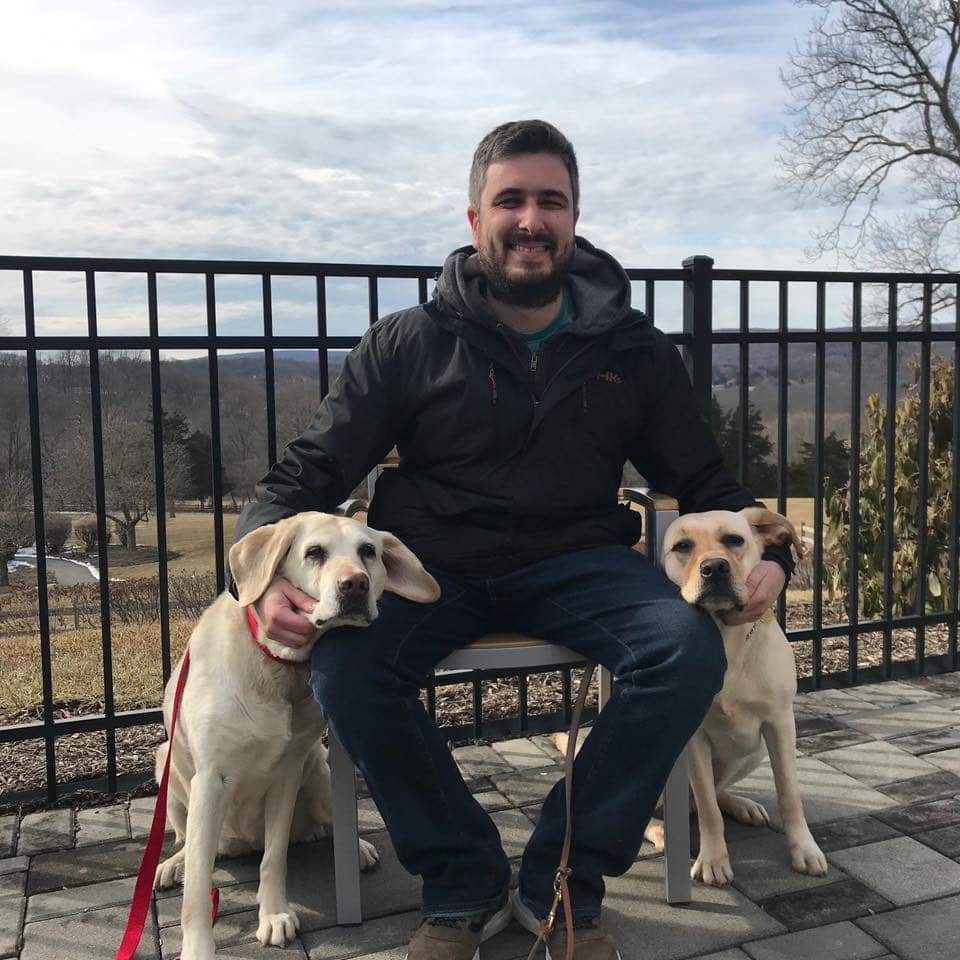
[716,585]
[353,596]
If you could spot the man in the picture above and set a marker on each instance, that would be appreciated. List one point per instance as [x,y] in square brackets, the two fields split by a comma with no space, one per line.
[514,398]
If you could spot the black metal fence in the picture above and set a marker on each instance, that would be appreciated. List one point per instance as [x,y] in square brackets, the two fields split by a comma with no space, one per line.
[700,333]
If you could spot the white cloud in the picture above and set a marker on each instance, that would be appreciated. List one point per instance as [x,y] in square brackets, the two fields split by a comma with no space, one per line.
[343,131]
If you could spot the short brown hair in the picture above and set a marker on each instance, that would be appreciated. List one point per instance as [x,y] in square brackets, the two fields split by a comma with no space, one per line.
[514,139]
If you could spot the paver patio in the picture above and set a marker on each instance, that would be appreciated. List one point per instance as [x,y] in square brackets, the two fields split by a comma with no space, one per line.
[881,778]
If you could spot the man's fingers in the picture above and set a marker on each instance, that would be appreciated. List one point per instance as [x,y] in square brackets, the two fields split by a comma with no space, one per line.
[290,621]
[298,599]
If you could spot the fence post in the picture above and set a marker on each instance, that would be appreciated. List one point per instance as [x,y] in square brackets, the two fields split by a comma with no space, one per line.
[698,324]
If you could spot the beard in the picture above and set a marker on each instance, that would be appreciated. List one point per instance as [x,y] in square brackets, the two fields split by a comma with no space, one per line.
[525,290]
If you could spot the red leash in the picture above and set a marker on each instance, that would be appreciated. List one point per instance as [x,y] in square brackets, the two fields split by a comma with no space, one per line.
[140,906]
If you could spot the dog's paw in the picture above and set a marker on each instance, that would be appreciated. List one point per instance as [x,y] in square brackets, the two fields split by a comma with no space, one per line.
[197,946]
[277,929]
[369,855]
[169,873]
[712,869]
[744,810]
[807,857]
[656,834]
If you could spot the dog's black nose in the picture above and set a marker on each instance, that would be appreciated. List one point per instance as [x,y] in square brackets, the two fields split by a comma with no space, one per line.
[353,585]
[715,568]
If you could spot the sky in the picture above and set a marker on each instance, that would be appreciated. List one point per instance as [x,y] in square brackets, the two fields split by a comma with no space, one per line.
[343,131]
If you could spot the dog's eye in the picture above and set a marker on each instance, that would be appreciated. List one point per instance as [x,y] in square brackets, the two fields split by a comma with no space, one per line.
[732,540]
[317,554]
[367,551]
[683,546]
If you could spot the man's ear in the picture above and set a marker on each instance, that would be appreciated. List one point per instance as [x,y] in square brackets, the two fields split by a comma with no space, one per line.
[255,559]
[772,529]
[405,573]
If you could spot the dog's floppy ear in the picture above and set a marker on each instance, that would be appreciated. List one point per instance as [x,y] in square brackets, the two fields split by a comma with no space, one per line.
[405,573]
[774,529]
[255,558]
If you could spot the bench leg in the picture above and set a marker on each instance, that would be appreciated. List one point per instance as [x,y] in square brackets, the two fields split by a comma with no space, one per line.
[606,687]
[676,830]
[346,835]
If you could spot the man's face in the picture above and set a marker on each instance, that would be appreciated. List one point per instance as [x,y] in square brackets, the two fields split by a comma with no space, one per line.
[523,230]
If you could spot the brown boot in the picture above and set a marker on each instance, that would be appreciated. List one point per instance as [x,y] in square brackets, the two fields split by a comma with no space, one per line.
[589,940]
[456,938]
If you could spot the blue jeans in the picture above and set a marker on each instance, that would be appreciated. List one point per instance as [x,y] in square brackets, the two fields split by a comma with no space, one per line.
[609,604]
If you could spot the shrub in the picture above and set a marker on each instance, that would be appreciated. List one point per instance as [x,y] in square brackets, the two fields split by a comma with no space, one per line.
[57,528]
[85,529]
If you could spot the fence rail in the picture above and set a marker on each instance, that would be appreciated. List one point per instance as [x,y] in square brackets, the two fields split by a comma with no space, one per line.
[698,336]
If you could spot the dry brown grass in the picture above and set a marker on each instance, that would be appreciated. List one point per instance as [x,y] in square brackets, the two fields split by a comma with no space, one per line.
[77,670]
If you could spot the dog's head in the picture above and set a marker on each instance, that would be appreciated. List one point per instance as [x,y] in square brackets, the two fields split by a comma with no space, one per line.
[343,564]
[710,555]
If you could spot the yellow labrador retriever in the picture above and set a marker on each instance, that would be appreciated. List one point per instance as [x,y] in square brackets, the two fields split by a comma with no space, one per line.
[248,770]
[709,556]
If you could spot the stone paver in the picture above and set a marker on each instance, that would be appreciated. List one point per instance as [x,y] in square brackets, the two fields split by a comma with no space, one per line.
[831,740]
[378,935]
[91,896]
[945,840]
[734,953]
[902,870]
[102,824]
[894,693]
[368,816]
[912,719]
[946,759]
[817,906]
[761,868]
[922,816]
[8,835]
[838,941]
[930,786]
[13,865]
[530,786]
[13,884]
[515,829]
[941,738]
[141,816]
[835,702]
[840,834]
[91,936]
[481,761]
[927,931]
[46,830]
[523,754]
[827,793]
[876,762]
[11,923]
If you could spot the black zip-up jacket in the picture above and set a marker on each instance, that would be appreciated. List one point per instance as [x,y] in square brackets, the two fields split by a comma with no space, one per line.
[505,460]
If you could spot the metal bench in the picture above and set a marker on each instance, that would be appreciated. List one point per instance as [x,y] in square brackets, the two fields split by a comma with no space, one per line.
[512,651]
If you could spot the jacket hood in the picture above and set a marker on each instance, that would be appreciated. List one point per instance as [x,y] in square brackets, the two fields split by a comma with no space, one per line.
[599,286]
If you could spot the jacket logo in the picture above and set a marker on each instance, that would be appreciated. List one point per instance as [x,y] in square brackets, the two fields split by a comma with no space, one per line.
[610,377]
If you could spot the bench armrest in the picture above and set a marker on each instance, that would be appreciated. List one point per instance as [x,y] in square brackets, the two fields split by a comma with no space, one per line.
[659,511]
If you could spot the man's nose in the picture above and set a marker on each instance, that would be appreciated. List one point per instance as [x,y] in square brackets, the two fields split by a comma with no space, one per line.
[531,218]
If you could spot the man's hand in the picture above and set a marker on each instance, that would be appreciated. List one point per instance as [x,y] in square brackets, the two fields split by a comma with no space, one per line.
[282,611]
[764,585]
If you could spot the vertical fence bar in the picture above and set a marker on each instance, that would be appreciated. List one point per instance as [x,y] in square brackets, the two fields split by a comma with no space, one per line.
[422,290]
[477,686]
[743,444]
[650,300]
[104,566]
[432,700]
[783,359]
[698,324]
[567,695]
[216,455]
[819,403]
[373,300]
[323,357]
[39,531]
[923,472]
[269,371]
[853,568]
[523,694]
[955,519]
[158,474]
[889,438]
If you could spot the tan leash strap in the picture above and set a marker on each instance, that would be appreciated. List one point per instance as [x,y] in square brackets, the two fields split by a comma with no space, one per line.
[561,891]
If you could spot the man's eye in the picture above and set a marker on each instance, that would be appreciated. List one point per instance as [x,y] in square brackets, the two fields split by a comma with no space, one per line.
[683,546]
[733,540]
[367,551]
[317,554]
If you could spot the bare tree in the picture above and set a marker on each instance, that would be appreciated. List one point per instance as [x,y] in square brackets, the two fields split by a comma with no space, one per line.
[16,518]
[874,105]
